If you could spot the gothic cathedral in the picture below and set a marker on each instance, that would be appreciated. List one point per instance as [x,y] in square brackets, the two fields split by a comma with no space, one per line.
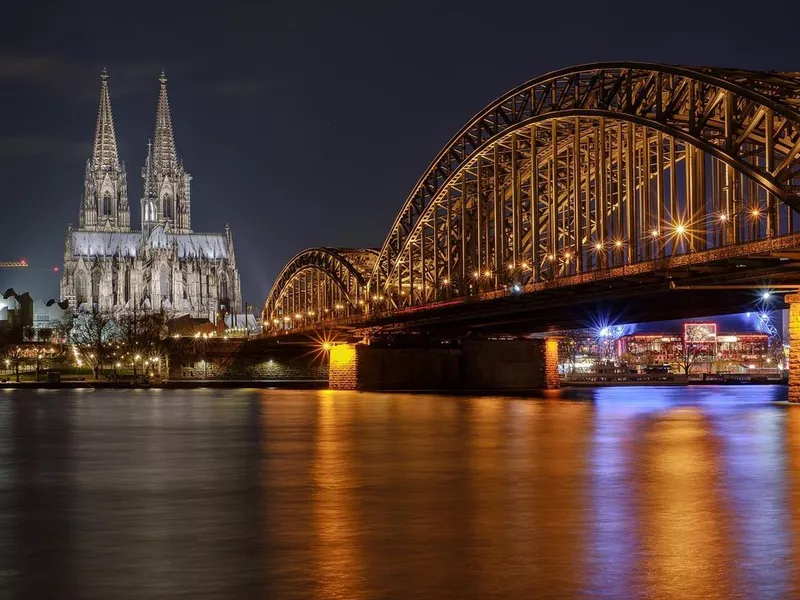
[111,267]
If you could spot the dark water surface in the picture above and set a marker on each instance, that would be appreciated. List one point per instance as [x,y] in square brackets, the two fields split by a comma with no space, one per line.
[614,493]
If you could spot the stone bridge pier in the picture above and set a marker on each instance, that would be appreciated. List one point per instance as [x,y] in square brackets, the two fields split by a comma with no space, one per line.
[793,300]
[480,365]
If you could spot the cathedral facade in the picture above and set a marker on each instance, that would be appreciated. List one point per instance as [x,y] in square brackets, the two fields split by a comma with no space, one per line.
[164,265]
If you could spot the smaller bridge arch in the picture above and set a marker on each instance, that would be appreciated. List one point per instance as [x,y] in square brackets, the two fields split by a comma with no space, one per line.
[317,285]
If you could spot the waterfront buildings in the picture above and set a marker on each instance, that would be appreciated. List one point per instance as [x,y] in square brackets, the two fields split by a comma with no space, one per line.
[696,346]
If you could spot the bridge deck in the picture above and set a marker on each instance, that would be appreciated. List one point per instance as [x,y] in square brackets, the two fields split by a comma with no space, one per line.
[651,290]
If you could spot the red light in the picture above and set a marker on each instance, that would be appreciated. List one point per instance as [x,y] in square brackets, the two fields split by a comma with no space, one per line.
[55,269]
[23,262]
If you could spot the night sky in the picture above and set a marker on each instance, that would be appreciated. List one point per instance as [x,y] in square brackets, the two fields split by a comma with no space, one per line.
[303,124]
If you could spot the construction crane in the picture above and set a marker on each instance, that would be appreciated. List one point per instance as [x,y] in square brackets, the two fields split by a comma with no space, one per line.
[14,265]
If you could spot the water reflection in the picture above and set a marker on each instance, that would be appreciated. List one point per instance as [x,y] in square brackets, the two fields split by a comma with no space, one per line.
[339,562]
[616,493]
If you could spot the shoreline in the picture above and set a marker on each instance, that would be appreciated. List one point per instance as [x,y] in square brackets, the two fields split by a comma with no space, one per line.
[320,384]
[173,384]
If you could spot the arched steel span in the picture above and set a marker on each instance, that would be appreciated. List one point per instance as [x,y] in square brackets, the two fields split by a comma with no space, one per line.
[319,284]
[593,167]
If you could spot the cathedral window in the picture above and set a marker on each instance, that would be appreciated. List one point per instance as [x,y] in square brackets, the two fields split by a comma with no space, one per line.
[167,204]
[127,290]
[114,285]
[164,282]
[80,288]
[96,286]
[107,204]
[223,288]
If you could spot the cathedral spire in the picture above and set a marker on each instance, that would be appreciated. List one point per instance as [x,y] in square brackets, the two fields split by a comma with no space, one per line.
[166,197]
[164,154]
[104,153]
[105,193]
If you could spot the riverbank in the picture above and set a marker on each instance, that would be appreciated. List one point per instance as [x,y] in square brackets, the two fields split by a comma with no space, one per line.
[173,384]
[188,384]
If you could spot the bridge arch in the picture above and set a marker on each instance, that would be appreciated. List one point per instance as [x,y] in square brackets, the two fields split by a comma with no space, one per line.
[579,171]
[318,284]
[626,137]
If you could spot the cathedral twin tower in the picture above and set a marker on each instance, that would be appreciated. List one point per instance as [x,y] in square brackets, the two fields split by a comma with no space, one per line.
[163,266]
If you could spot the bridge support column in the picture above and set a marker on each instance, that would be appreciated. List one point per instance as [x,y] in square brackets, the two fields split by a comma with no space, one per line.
[793,300]
[487,365]
[550,364]
[343,367]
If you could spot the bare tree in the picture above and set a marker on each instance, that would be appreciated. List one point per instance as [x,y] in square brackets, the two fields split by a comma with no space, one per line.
[776,353]
[144,333]
[570,346]
[93,333]
[63,330]
[692,348]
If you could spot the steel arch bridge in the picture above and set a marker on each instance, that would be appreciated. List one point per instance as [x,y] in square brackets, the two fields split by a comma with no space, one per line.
[575,174]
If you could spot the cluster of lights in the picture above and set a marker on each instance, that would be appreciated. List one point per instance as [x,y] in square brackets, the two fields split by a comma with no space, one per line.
[677,229]
[522,265]
[76,355]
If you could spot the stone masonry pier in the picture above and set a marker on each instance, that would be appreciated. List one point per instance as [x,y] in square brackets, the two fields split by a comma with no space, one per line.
[486,365]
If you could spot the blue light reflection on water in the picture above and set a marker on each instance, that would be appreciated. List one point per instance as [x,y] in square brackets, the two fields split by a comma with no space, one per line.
[745,430]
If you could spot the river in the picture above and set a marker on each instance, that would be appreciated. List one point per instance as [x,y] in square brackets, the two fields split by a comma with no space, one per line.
[613,493]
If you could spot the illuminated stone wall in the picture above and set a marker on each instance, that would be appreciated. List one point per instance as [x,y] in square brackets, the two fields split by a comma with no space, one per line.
[550,364]
[247,362]
[794,347]
[343,367]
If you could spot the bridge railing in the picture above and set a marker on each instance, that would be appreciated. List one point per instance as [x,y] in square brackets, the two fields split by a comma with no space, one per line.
[377,316]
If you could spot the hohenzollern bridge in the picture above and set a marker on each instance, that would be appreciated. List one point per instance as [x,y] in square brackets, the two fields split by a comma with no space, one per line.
[641,191]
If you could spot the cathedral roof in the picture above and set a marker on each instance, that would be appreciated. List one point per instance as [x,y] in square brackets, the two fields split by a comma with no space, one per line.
[127,244]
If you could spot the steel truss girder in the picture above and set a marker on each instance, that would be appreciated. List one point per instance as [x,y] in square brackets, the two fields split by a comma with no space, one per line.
[314,276]
[721,112]
[570,208]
